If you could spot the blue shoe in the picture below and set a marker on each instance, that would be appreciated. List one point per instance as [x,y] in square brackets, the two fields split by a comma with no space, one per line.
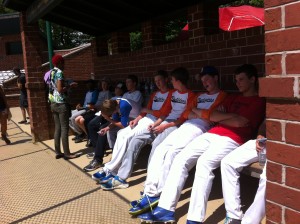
[193,222]
[135,202]
[146,217]
[115,183]
[106,178]
[163,215]
[99,175]
[145,204]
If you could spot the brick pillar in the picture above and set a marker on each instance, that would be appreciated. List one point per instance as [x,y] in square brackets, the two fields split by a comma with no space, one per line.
[196,21]
[120,42]
[281,88]
[40,116]
[203,19]
[153,33]
[100,46]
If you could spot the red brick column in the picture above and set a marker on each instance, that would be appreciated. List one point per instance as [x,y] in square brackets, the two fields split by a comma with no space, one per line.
[281,87]
[196,21]
[100,46]
[153,33]
[120,42]
[40,116]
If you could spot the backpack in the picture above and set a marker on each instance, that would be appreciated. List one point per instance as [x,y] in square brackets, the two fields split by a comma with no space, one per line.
[50,85]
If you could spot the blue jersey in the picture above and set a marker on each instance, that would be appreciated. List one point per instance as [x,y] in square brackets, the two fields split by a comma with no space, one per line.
[123,115]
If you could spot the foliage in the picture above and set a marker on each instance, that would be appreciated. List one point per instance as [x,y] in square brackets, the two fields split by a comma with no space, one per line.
[257,3]
[174,27]
[63,37]
[136,40]
[4,10]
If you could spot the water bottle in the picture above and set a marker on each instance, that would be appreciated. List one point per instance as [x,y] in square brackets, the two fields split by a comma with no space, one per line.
[262,153]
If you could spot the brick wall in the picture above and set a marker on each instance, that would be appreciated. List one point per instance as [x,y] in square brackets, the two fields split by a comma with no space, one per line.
[225,50]
[7,62]
[281,87]
[79,66]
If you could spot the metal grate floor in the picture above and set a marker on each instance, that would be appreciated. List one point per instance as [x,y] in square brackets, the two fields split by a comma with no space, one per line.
[36,188]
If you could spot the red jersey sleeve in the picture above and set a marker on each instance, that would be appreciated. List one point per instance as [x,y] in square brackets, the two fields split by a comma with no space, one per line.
[220,99]
[189,108]
[167,107]
[149,105]
[190,102]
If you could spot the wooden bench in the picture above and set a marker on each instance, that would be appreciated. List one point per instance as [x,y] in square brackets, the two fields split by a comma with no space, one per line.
[253,170]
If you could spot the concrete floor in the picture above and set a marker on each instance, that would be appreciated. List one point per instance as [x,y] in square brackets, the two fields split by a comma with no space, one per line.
[36,188]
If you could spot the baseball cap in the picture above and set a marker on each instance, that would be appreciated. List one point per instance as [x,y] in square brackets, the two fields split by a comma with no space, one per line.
[209,70]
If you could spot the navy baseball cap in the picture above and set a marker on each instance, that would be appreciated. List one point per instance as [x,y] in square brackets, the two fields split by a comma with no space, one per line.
[209,70]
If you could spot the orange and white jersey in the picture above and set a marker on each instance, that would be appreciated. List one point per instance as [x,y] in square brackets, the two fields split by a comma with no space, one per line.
[206,102]
[179,101]
[157,100]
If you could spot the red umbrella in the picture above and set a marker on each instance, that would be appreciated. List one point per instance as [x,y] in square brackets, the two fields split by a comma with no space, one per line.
[242,17]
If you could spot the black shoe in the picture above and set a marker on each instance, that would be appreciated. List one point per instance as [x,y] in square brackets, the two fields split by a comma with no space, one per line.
[58,156]
[90,155]
[72,155]
[75,137]
[22,122]
[4,138]
[93,165]
[89,143]
[81,138]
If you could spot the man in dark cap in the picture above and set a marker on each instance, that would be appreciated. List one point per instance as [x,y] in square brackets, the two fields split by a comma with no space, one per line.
[23,93]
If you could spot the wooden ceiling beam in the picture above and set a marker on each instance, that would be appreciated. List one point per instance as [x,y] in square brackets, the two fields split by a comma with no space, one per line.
[40,8]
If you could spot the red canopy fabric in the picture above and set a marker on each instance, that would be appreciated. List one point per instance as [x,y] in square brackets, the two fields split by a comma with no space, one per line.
[241,17]
[186,27]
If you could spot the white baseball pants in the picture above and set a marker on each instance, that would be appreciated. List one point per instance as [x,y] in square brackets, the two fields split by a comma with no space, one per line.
[231,166]
[164,154]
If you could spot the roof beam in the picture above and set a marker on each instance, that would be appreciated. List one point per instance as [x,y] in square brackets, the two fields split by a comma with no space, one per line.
[40,8]
[81,14]
[64,18]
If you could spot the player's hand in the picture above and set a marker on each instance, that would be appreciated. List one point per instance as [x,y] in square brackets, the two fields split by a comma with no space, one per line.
[150,127]
[260,144]
[133,123]
[103,131]
[158,129]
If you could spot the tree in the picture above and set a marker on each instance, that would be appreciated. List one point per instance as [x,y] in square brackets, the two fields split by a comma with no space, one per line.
[4,10]
[64,37]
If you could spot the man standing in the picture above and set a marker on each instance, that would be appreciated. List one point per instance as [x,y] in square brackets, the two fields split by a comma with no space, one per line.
[23,93]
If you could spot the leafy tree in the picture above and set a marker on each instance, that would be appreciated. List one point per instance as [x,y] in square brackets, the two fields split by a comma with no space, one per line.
[4,10]
[136,40]
[64,37]
[174,27]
